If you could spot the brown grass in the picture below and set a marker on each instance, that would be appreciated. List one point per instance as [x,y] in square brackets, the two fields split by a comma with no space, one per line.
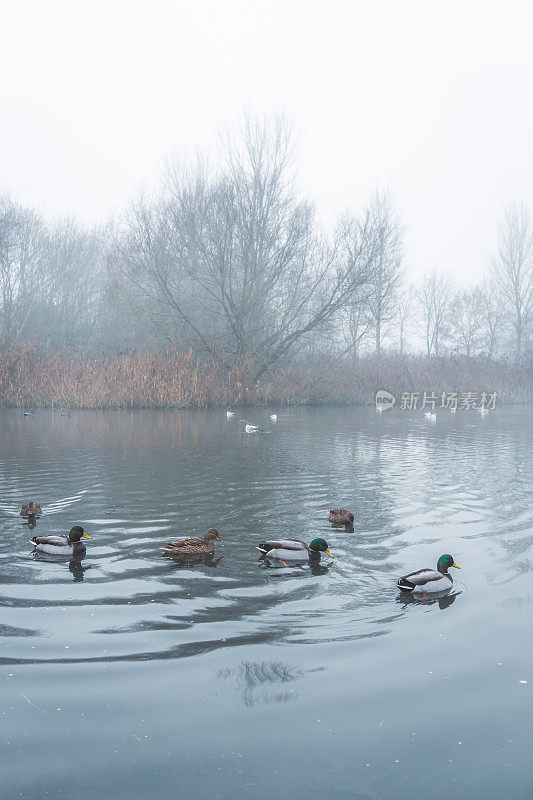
[178,379]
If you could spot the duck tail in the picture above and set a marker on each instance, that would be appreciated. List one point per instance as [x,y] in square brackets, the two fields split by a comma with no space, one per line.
[33,540]
[263,547]
[405,585]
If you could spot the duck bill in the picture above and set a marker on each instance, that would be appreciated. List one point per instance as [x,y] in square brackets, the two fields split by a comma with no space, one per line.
[456,566]
[327,551]
[219,539]
[84,536]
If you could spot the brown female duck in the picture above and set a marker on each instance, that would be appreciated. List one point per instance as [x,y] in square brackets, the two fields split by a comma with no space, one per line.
[341,516]
[31,509]
[191,546]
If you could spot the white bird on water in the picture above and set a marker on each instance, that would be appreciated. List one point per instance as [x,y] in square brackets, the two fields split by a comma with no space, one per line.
[429,415]
[249,428]
[273,417]
[230,414]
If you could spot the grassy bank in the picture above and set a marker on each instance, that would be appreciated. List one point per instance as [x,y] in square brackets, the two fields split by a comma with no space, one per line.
[180,380]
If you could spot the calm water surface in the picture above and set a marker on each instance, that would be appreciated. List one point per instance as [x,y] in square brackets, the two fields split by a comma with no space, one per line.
[127,676]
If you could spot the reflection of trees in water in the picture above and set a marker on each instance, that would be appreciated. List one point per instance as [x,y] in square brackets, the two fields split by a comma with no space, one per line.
[114,429]
[362,468]
[492,494]
[256,681]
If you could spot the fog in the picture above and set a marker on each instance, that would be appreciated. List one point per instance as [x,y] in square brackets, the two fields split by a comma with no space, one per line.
[430,102]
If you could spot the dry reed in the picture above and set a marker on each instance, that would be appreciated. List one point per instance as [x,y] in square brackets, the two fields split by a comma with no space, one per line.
[177,379]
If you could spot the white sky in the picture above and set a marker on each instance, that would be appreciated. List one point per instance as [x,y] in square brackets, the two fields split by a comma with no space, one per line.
[433,100]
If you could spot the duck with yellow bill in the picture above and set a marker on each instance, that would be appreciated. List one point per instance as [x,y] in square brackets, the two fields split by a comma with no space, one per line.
[62,544]
[429,580]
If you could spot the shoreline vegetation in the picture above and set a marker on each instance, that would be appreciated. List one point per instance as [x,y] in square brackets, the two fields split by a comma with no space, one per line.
[223,288]
[178,379]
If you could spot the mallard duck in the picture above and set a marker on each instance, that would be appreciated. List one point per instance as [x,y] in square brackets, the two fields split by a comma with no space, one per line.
[341,516]
[291,549]
[31,509]
[61,544]
[189,546]
[429,580]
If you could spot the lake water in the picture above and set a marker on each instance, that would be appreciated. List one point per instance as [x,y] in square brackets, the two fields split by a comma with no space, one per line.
[128,676]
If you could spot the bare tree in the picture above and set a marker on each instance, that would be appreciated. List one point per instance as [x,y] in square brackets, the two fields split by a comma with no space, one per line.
[512,270]
[434,300]
[51,280]
[356,324]
[70,304]
[22,279]
[491,319]
[403,316]
[234,260]
[467,311]
[386,271]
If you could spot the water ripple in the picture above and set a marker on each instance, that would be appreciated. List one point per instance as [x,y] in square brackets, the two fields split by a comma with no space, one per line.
[135,480]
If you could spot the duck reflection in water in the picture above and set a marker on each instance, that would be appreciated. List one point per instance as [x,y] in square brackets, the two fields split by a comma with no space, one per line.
[78,571]
[315,567]
[444,599]
[74,564]
[190,561]
[31,512]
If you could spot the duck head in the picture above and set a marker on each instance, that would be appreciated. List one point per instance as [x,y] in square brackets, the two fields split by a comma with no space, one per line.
[77,533]
[211,535]
[320,546]
[445,562]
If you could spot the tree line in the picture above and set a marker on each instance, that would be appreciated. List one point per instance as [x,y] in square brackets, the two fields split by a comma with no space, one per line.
[231,262]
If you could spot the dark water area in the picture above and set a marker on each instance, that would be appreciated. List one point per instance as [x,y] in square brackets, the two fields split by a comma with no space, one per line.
[128,675]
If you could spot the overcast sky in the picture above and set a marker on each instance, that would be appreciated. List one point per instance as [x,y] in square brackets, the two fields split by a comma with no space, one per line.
[433,100]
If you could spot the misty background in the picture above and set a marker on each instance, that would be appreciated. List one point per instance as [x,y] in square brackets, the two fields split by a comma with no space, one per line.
[389,144]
